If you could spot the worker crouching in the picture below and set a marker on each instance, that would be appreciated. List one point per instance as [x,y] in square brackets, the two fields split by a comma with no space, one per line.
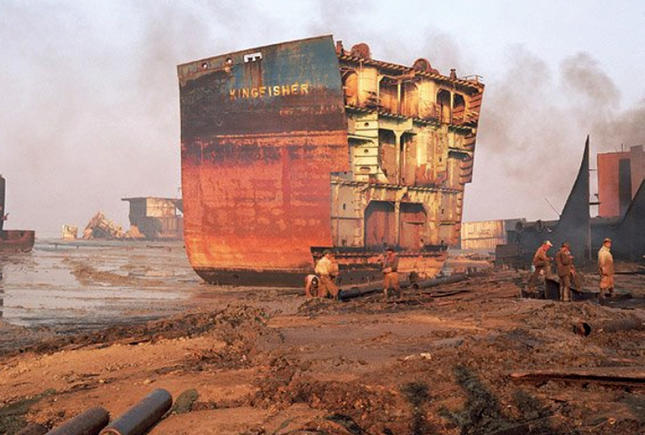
[541,263]
[327,271]
[311,285]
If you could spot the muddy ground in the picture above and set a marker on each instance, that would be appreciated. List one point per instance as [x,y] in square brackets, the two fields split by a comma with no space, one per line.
[270,361]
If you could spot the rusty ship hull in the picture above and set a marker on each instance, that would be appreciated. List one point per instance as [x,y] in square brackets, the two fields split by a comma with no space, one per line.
[278,164]
[17,240]
[13,240]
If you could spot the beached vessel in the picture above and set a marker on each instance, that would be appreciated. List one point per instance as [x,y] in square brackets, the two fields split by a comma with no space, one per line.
[12,240]
[302,146]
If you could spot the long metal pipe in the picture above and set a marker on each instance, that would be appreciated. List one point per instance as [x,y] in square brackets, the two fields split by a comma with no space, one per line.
[89,422]
[356,292]
[438,281]
[138,419]
[586,328]
[32,429]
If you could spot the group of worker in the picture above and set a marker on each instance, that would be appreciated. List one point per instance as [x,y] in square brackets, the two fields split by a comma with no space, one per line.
[567,272]
[323,283]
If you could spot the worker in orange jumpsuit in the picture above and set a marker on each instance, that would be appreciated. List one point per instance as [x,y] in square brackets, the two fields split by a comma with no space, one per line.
[566,269]
[541,263]
[390,264]
[606,269]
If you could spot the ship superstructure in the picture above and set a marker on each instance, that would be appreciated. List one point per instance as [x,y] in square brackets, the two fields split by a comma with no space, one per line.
[298,147]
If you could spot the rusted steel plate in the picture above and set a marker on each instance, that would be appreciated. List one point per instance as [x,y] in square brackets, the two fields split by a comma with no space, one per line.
[574,225]
[261,132]
[629,234]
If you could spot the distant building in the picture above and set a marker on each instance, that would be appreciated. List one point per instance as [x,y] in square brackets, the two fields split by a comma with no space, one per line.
[157,218]
[619,177]
[69,232]
[486,235]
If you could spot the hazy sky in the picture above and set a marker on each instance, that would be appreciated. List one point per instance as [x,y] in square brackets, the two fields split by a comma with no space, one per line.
[89,105]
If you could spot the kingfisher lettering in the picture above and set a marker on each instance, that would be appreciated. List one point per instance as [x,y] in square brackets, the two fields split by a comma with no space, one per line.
[270,91]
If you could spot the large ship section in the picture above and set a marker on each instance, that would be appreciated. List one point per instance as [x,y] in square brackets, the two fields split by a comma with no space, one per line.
[298,147]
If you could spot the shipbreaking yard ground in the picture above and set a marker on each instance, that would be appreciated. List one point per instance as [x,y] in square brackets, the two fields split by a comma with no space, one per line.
[466,357]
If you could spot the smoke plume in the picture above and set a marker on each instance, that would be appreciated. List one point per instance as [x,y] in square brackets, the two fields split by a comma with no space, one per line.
[532,131]
[90,102]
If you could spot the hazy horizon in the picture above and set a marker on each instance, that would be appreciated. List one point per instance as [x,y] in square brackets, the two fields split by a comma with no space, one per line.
[90,107]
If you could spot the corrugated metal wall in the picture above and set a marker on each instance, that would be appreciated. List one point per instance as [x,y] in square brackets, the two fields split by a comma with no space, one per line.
[483,235]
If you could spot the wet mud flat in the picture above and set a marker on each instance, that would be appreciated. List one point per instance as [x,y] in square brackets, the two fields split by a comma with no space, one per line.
[270,361]
[70,287]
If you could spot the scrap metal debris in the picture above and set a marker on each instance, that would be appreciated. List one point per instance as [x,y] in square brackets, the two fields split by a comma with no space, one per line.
[100,227]
[69,232]
[603,375]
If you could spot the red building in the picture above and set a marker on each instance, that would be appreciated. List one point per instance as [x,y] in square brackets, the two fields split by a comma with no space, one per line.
[619,177]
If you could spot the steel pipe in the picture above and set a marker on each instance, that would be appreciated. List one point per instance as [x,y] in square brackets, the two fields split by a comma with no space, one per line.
[586,328]
[138,419]
[427,283]
[366,289]
[32,429]
[89,422]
